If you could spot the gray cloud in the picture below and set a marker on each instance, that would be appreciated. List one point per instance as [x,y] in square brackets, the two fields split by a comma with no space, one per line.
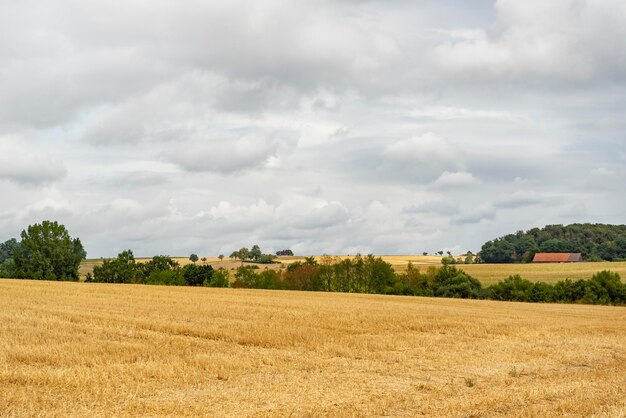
[475,215]
[455,180]
[25,167]
[324,126]
[524,198]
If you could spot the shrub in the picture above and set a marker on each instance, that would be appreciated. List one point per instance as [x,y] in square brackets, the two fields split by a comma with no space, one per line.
[195,275]
[542,292]
[266,259]
[122,269]
[513,288]
[413,282]
[165,277]
[7,269]
[450,282]
[245,276]
[609,285]
[304,277]
[219,279]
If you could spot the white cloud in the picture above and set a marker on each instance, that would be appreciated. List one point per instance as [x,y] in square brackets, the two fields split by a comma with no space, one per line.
[483,212]
[324,126]
[421,157]
[602,171]
[452,113]
[22,165]
[523,198]
[223,156]
[565,39]
[422,149]
[455,180]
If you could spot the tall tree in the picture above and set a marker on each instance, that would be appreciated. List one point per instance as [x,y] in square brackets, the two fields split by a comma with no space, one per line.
[255,252]
[48,252]
[243,254]
[8,249]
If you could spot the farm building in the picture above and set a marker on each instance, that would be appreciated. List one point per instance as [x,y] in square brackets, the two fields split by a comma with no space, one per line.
[557,258]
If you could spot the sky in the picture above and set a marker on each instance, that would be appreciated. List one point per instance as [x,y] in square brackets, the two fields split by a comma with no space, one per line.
[325,126]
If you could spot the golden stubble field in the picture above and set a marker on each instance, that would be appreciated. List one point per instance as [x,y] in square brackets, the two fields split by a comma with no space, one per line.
[101,350]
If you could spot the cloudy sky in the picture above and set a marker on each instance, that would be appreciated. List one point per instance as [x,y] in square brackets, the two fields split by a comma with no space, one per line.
[325,126]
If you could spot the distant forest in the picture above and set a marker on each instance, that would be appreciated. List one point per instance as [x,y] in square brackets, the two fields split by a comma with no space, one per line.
[595,242]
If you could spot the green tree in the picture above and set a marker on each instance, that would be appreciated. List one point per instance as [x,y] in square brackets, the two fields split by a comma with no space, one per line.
[266,258]
[555,245]
[513,288]
[160,263]
[380,275]
[243,254]
[197,275]
[122,269]
[255,252]
[245,276]
[220,279]
[193,258]
[48,252]
[449,282]
[413,282]
[448,260]
[7,269]
[221,257]
[8,249]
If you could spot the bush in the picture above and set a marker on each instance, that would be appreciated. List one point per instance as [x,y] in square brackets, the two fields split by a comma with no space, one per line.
[450,282]
[195,275]
[603,288]
[165,277]
[219,279]
[542,292]
[609,285]
[245,276]
[413,282]
[266,259]
[305,276]
[513,288]
[122,269]
[7,269]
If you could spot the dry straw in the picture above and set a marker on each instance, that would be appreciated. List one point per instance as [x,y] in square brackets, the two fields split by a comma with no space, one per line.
[75,349]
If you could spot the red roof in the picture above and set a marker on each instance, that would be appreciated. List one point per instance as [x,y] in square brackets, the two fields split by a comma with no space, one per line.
[557,257]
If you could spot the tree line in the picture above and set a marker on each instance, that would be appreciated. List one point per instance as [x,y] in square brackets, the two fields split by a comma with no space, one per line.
[160,269]
[373,275]
[596,242]
[46,251]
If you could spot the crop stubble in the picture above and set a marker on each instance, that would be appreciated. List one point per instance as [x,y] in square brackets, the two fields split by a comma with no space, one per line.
[113,350]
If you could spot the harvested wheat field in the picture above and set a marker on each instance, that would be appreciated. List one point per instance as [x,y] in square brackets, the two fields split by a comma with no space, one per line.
[549,272]
[78,349]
